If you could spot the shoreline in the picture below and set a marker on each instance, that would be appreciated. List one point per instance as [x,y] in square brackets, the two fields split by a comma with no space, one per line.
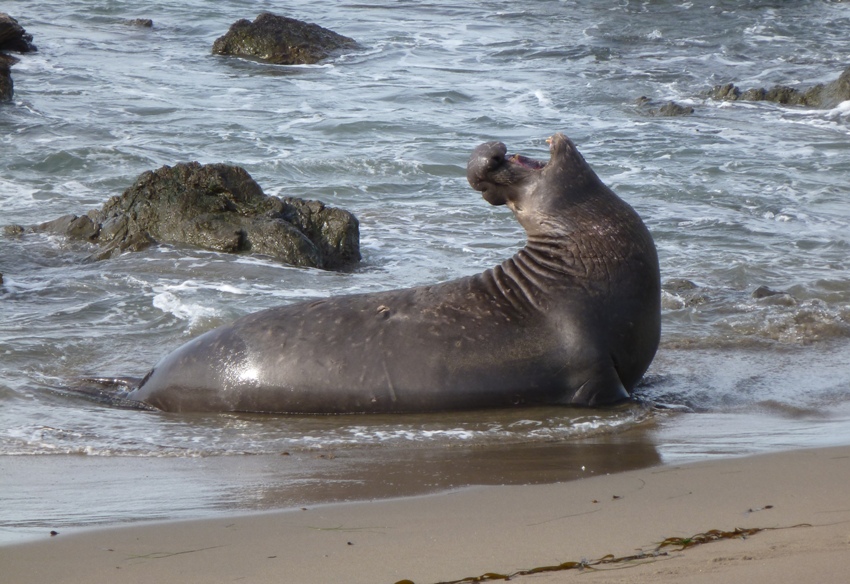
[475,530]
[90,491]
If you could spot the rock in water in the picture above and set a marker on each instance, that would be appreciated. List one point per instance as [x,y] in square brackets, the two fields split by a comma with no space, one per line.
[7,86]
[13,37]
[281,40]
[217,207]
[819,96]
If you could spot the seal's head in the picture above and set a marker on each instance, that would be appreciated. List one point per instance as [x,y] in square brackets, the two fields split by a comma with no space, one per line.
[501,177]
[531,187]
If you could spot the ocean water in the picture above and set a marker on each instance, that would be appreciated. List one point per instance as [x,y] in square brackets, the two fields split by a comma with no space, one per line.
[737,195]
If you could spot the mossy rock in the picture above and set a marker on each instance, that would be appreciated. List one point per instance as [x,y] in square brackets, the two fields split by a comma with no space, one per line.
[217,207]
[281,40]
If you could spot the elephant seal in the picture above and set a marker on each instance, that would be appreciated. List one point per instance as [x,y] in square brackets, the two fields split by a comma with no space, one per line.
[572,318]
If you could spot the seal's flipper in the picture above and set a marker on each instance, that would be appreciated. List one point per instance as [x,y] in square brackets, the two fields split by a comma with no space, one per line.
[603,388]
[111,391]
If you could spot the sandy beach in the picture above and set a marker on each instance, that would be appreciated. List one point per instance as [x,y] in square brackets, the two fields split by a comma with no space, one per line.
[794,507]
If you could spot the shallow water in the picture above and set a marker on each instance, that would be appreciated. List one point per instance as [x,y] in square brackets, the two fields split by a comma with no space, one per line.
[737,196]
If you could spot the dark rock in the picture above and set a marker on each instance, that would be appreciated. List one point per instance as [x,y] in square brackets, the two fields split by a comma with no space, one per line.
[140,22]
[13,37]
[217,207]
[784,95]
[73,227]
[672,108]
[773,297]
[835,92]
[682,293]
[820,96]
[7,86]
[669,109]
[765,292]
[281,40]
[136,241]
[748,95]
[13,230]
[727,92]
[327,227]
[679,285]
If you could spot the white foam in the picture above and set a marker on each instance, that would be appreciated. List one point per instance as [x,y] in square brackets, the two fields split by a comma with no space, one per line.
[839,111]
[192,312]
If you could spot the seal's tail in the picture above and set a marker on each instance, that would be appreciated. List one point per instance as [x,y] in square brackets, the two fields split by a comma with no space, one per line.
[112,391]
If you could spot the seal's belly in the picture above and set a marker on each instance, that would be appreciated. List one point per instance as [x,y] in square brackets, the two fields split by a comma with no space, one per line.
[431,348]
[401,352]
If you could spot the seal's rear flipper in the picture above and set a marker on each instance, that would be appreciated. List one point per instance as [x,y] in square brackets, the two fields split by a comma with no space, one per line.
[604,388]
[112,391]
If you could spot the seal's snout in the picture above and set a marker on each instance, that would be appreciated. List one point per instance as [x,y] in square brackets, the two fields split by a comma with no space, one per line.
[485,160]
[500,177]
[484,168]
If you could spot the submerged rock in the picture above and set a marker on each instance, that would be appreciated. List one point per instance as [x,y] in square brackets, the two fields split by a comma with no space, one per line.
[217,207]
[667,109]
[774,297]
[824,96]
[765,292]
[13,230]
[139,22]
[280,40]
[678,293]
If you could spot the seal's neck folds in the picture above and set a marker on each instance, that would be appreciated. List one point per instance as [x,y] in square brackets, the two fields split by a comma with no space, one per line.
[578,229]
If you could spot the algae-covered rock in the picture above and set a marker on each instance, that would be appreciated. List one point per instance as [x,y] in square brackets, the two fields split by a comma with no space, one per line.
[217,207]
[667,109]
[281,40]
[824,96]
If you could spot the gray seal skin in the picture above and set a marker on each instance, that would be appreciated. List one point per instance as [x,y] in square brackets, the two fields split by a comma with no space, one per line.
[572,318]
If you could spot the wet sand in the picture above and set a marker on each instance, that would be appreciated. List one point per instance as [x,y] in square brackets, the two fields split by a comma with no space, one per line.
[75,491]
[799,499]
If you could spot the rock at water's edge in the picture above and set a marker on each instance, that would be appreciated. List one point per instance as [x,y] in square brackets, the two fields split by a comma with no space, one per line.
[217,207]
[281,40]
[7,86]
[820,96]
[668,109]
[13,37]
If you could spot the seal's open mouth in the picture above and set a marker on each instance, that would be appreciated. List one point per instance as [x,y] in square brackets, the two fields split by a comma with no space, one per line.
[526,161]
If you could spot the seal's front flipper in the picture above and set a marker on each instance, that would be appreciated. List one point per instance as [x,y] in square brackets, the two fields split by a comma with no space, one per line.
[603,388]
